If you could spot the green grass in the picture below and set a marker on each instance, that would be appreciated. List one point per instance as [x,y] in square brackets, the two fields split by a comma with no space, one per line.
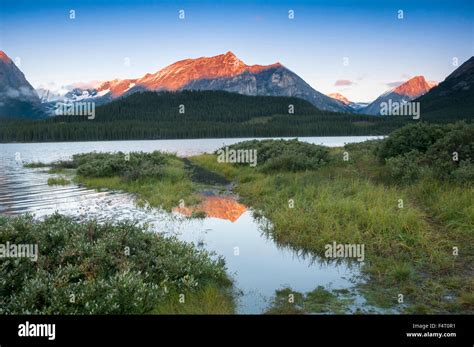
[407,250]
[57,170]
[158,179]
[209,300]
[35,164]
[199,214]
[164,193]
[319,300]
[58,181]
[408,228]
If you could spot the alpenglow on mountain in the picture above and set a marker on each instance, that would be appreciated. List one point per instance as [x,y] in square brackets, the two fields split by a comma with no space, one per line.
[355,106]
[410,90]
[222,72]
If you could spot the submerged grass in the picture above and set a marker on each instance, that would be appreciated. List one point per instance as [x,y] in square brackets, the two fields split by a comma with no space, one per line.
[319,300]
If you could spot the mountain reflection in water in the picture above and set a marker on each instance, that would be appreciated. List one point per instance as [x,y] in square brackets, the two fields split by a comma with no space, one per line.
[216,207]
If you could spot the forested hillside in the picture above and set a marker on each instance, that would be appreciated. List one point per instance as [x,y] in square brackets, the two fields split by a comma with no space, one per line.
[193,114]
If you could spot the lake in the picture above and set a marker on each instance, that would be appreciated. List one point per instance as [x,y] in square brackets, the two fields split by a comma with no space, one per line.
[257,264]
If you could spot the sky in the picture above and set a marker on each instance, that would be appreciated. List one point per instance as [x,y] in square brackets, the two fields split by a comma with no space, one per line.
[357,48]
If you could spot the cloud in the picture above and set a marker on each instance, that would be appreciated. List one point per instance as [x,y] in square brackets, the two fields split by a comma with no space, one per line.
[394,84]
[83,85]
[22,93]
[343,83]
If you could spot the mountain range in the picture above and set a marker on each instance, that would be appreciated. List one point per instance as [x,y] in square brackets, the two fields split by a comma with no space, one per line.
[226,72]
[222,72]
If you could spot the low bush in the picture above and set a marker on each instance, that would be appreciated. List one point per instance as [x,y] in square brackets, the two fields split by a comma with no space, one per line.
[91,268]
[419,136]
[129,166]
[446,152]
[285,155]
[407,167]
[457,146]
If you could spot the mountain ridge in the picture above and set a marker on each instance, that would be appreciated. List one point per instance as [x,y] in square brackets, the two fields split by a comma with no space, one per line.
[453,97]
[407,91]
[222,72]
[18,98]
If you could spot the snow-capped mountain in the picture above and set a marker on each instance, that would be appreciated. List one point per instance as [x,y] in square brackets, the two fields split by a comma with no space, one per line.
[410,90]
[356,106]
[222,72]
[340,97]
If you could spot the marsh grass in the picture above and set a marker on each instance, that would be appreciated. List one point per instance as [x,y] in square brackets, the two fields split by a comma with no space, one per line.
[58,181]
[154,192]
[209,300]
[157,179]
[35,164]
[319,300]
[408,247]
[408,250]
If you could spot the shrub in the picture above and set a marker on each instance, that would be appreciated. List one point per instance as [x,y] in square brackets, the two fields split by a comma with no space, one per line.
[89,260]
[285,155]
[433,149]
[459,139]
[419,136]
[406,167]
[64,164]
[130,167]
[465,172]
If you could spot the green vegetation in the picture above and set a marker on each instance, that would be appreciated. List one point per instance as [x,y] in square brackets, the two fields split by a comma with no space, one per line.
[207,114]
[404,198]
[210,300]
[58,181]
[320,300]
[284,155]
[409,227]
[92,268]
[35,164]
[453,99]
[199,214]
[430,150]
[158,179]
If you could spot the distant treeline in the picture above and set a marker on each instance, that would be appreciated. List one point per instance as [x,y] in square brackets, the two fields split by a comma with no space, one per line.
[198,114]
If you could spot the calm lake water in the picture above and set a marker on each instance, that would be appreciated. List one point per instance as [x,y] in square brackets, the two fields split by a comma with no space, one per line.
[257,264]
